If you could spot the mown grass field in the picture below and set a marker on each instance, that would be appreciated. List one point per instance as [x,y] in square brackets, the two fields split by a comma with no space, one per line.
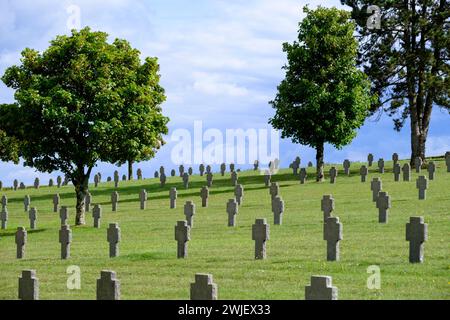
[148,268]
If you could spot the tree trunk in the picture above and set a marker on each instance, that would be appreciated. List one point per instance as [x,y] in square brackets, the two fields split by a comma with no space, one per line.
[319,162]
[81,188]
[130,170]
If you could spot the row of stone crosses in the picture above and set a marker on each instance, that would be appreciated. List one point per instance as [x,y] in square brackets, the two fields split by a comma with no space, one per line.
[416,229]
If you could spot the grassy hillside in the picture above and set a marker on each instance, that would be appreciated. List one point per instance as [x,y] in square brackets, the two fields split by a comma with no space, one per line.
[148,268]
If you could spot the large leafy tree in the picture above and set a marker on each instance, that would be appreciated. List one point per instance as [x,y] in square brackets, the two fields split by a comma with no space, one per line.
[75,101]
[407,60]
[324,98]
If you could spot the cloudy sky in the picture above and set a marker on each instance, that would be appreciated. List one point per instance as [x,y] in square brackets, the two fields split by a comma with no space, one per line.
[220,64]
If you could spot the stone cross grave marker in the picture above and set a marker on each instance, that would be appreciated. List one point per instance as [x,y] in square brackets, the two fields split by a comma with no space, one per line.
[239,193]
[59,181]
[416,234]
[327,206]
[431,170]
[97,215]
[139,174]
[22,186]
[32,215]
[418,164]
[383,205]
[181,170]
[96,180]
[204,288]
[397,172]
[278,210]
[65,238]
[186,180]
[232,211]
[321,289]
[363,172]
[36,183]
[172,173]
[26,203]
[143,196]
[422,185]
[204,194]
[260,234]
[116,179]
[209,179]
[28,286]
[232,167]
[256,165]
[370,159]
[333,236]
[201,169]
[333,175]
[447,160]
[21,238]
[395,158]
[156,175]
[56,201]
[87,201]
[50,183]
[4,201]
[64,214]
[295,167]
[223,167]
[381,165]
[346,165]
[189,212]
[234,178]
[182,236]
[274,189]
[4,217]
[162,170]
[15,184]
[113,237]
[162,180]
[115,201]
[208,169]
[173,197]
[303,176]
[267,178]
[376,185]
[108,287]
[190,171]
[406,169]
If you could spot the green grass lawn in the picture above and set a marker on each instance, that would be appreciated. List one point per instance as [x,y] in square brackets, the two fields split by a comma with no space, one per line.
[148,268]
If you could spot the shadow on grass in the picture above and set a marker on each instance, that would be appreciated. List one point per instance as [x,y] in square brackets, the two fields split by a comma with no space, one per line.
[13,233]
[150,256]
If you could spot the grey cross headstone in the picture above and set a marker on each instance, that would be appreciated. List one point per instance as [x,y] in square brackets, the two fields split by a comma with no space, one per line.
[190,171]
[208,169]
[381,165]
[383,205]
[113,237]
[139,174]
[162,180]
[256,165]
[346,165]
[50,183]
[36,183]
[15,184]
[303,175]
[156,175]
[26,203]
[234,178]
[32,215]
[204,194]
[64,215]
[416,234]
[370,159]
[87,201]
[59,181]
[239,193]
[173,198]
[447,160]
[162,170]
[96,180]
[422,185]
[260,234]
[406,169]
[4,217]
[28,286]
[203,288]
[1,185]
[186,180]
[108,287]
[418,164]
[431,170]
[65,238]
[4,201]
[143,196]
[56,200]
[115,201]
[397,171]
[333,236]
[274,189]
[209,179]
[267,178]
[181,170]
[97,215]
[201,169]
[21,240]
[223,167]
[232,167]
[278,210]
[232,211]
[333,175]
[363,172]
[295,167]
[189,212]
[182,236]
[321,289]
[99,177]
[116,179]
[395,158]
[172,173]
[327,206]
[298,161]
[376,185]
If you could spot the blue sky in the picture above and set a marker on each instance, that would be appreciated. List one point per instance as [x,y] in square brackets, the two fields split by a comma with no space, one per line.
[220,63]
